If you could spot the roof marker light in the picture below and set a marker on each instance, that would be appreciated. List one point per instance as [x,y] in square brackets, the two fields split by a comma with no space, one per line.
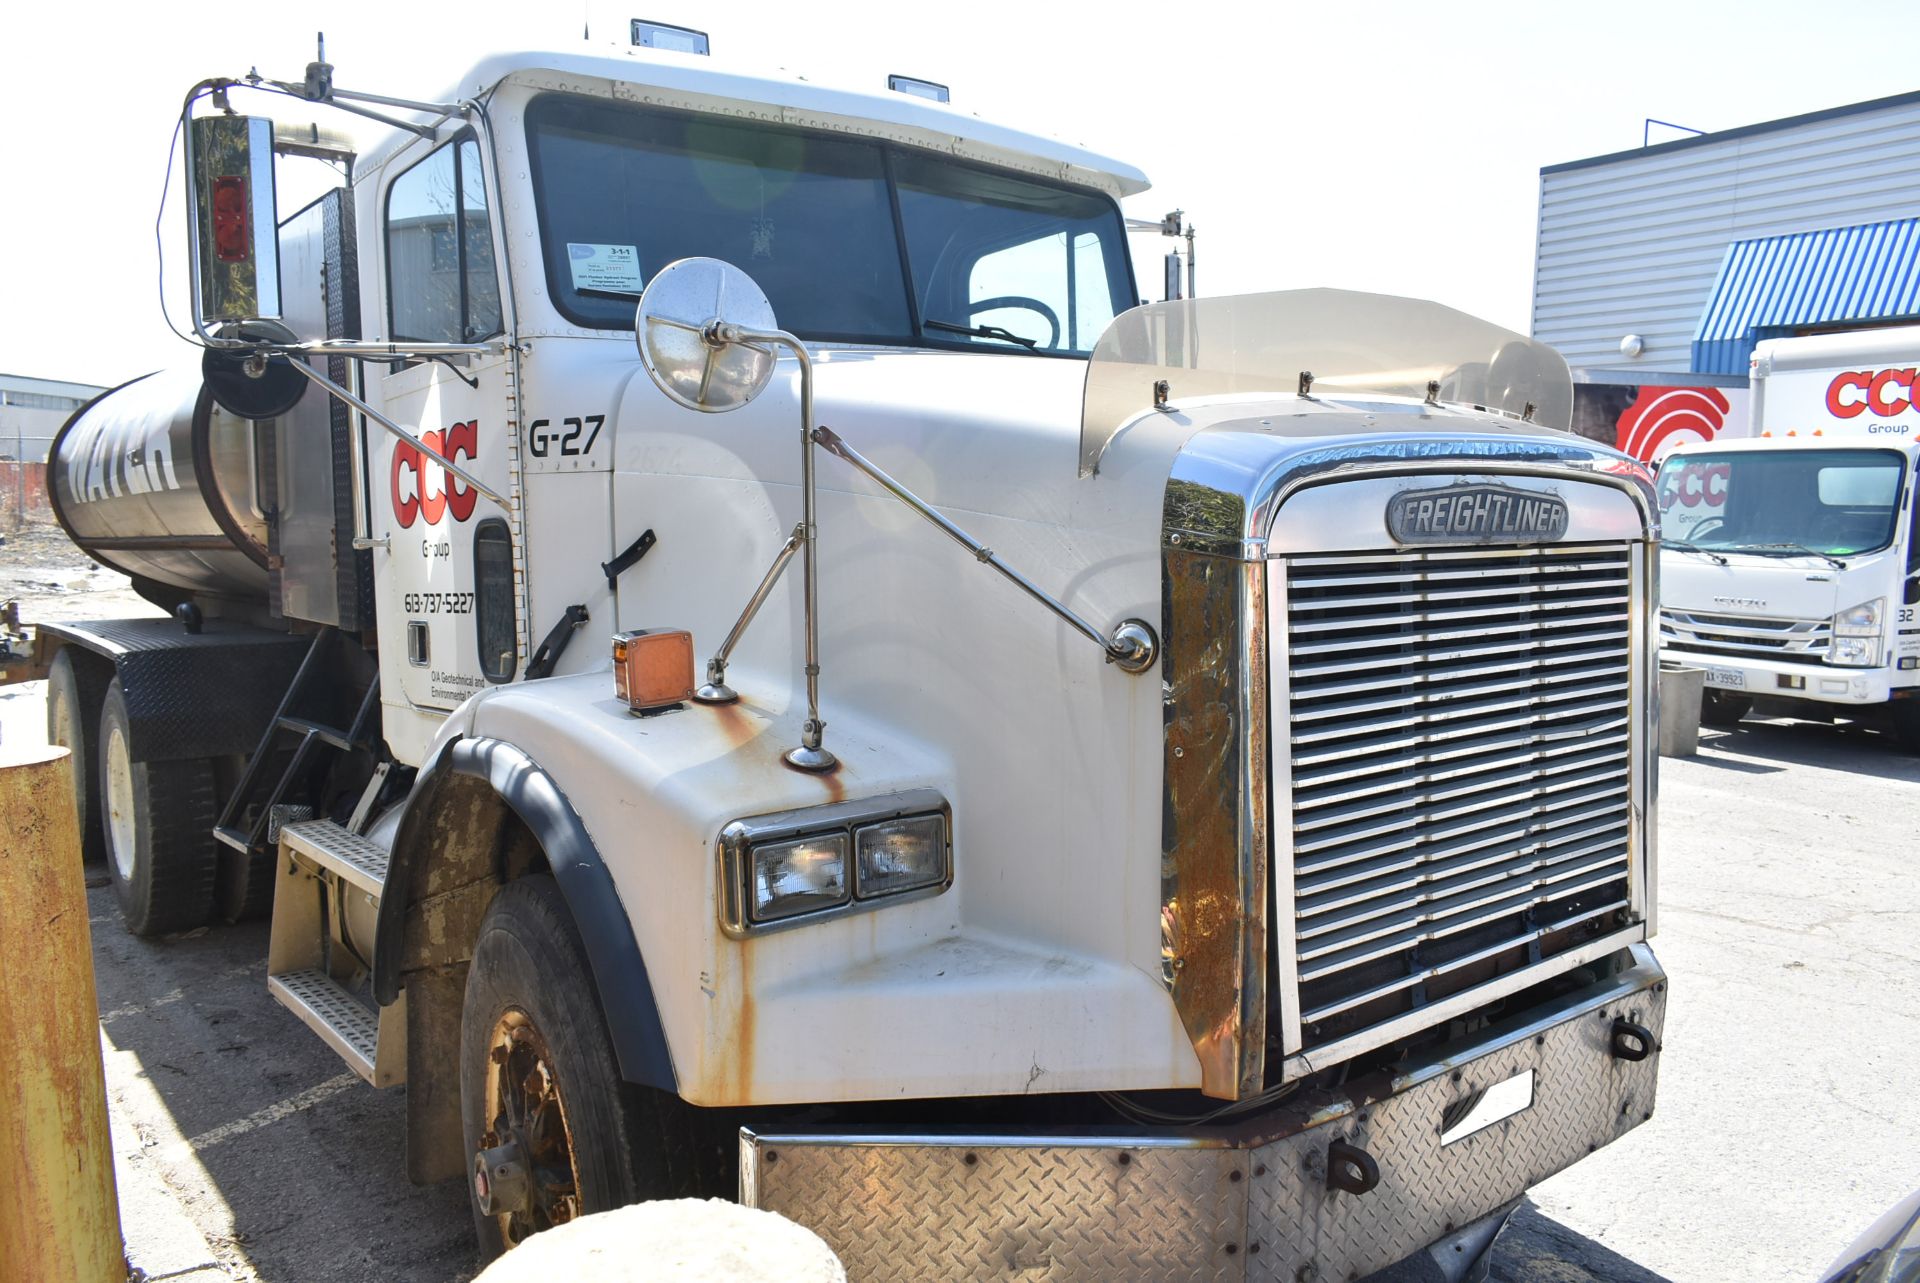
[663,35]
[918,88]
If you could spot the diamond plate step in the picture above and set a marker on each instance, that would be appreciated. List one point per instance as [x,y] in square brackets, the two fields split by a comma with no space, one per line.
[333,1013]
[331,847]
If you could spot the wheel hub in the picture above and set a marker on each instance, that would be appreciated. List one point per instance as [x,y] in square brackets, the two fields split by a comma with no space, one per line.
[500,1181]
[524,1174]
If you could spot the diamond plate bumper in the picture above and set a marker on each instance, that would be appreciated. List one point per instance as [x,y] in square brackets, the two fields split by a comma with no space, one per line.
[1247,1203]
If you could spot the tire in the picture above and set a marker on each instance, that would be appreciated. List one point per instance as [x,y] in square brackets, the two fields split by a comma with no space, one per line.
[76,691]
[1906,723]
[157,820]
[530,990]
[1717,708]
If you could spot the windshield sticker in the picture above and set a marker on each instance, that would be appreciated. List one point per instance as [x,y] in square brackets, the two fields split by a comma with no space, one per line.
[604,267]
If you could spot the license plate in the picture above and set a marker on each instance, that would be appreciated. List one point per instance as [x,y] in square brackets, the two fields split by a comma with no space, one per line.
[1727,678]
[1477,1112]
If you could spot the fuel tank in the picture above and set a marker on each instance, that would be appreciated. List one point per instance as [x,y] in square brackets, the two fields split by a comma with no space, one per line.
[157,481]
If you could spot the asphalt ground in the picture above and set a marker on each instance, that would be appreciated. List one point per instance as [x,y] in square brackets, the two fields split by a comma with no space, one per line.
[1786,1120]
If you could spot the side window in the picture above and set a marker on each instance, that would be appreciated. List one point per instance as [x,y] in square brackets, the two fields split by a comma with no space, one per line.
[440,267]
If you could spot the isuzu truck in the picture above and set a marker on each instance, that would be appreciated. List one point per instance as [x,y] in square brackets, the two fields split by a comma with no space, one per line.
[742,662]
[1791,570]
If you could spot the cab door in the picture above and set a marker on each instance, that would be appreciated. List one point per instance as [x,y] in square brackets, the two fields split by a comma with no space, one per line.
[445,557]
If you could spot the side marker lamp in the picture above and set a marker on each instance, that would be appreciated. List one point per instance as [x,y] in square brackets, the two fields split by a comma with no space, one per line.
[653,668]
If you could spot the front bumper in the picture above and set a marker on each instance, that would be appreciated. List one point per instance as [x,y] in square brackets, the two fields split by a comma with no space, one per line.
[1250,1203]
[1763,678]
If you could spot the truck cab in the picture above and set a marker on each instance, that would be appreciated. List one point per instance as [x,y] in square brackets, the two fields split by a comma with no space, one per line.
[1790,571]
[1246,833]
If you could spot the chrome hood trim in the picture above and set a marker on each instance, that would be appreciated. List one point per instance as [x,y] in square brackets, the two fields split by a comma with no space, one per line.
[1229,480]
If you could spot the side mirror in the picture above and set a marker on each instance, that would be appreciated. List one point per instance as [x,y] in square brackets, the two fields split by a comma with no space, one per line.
[236,228]
[702,327]
[707,337]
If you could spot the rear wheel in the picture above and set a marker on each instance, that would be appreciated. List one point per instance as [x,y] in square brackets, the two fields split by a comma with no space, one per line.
[1718,708]
[158,821]
[552,1131]
[76,690]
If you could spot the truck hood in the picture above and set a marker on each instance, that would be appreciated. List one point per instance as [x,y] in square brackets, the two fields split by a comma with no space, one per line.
[1767,587]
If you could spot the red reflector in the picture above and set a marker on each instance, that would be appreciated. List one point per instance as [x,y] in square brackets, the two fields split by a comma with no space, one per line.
[231,241]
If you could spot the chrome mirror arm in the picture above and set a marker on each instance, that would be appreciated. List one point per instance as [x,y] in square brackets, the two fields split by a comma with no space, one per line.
[1133,646]
[350,399]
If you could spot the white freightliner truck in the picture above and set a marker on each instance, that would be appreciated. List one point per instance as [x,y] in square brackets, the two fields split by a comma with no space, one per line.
[1234,860]
[1791,567]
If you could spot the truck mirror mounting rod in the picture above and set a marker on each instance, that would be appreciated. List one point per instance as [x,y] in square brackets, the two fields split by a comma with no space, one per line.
[1133,647]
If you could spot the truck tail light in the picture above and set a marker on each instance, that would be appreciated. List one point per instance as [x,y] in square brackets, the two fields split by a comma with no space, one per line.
[232,238]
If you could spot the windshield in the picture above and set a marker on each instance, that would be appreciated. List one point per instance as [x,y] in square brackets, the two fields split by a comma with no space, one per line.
[1828,502]
[852,240]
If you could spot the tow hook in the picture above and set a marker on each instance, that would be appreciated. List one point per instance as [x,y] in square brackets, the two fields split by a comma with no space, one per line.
[500,1181]
[1630,1041]
[1351,1168]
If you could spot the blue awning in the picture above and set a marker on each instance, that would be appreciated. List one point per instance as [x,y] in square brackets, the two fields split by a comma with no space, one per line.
[1773,285]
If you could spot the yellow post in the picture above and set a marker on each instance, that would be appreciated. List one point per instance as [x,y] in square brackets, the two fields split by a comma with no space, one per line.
[58,1217]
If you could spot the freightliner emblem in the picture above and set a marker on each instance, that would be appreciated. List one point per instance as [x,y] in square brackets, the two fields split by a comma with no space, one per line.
[1476,514]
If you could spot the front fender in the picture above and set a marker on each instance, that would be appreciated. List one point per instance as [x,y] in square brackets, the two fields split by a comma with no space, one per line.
[530,793]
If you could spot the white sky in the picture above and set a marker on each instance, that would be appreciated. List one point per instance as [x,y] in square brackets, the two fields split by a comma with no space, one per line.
[1391,146]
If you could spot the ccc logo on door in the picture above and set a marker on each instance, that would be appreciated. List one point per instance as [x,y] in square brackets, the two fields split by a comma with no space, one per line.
[416,478]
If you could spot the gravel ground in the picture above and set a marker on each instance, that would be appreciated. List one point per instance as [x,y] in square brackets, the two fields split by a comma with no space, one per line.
[1785,1122]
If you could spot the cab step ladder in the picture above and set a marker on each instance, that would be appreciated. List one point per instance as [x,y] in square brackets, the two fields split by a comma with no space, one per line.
[252,814]
[328,883]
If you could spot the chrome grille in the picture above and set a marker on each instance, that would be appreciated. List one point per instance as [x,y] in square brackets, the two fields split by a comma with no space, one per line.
[1459,727]
[1802,640]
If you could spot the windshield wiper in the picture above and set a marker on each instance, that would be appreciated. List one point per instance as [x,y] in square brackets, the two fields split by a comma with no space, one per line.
[1684,546]
[1827,557]
[981,332]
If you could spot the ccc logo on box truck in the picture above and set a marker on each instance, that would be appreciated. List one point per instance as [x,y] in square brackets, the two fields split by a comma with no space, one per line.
[1885,393]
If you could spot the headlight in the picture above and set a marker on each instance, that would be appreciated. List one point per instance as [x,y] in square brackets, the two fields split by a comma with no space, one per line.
[1862,620]
[801,876]
[1854,652]
[797,866]
[901,855]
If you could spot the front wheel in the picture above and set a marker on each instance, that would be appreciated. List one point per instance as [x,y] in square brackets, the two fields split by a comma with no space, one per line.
[1906,723]
[552,1131]
[1718,708]
[158,819]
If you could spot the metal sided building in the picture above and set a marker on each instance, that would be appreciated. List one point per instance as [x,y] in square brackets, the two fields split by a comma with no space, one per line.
[1657,270]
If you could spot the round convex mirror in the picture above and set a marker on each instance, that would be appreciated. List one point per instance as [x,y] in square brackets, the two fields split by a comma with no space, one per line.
[675,332]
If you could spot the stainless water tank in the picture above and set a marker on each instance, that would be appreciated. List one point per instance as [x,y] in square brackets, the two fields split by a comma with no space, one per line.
[155,480]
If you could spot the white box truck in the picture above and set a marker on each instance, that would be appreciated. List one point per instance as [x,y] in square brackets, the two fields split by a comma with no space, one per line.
[1242,868]
[1790,568]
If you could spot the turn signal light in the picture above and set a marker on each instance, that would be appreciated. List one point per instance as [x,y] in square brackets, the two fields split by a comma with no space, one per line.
[653,668]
